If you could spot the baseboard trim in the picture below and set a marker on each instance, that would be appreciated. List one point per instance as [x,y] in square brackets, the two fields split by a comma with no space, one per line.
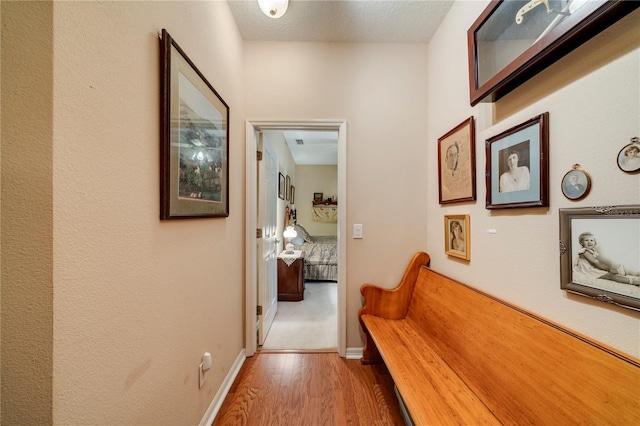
[354,353]
[217,401]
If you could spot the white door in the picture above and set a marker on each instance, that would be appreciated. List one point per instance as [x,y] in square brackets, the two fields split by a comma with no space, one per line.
[268,244]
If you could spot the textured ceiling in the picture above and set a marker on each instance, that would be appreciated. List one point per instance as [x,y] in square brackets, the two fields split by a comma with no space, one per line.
[346,21]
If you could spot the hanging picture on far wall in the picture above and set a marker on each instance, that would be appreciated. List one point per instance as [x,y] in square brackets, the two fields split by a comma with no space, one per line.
[629,157]
[600,253]
[457,164]
[576,183]
[517,166]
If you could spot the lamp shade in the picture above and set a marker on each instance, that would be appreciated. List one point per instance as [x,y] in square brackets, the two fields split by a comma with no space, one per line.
[289,232]
[274,8]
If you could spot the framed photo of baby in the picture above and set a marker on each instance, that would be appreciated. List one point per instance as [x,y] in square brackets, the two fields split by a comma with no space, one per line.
[517,173]
[600,253]
[457,164]
[457,238]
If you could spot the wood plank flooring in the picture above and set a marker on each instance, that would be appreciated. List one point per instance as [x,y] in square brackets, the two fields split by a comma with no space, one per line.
[309,389]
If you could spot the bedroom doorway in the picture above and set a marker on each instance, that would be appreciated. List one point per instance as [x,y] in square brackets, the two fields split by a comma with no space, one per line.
[253,130]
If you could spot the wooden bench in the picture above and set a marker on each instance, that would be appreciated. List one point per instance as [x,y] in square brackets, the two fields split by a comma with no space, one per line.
[460,356]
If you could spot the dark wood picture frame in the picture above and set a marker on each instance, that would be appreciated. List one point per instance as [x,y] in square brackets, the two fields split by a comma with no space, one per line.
[525,184]
[318,196]
[457,164]
[541,38]
[288,188]
[613,233]
[292,198]
[194,140]
[282,188]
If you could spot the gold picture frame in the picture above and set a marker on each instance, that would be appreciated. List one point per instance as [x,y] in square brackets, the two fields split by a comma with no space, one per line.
[457,236]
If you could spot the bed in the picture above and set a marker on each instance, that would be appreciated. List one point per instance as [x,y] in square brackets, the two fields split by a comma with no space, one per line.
[321,255]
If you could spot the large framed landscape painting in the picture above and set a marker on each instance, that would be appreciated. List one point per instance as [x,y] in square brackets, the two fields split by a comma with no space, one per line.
[600,253]
[194,160]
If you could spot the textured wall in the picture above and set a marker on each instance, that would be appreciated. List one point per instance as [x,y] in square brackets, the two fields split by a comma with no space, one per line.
[121,305]
[27,205]
[380,89]
[593,99]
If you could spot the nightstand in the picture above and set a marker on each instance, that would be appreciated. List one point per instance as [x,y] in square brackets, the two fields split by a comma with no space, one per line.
[291,276]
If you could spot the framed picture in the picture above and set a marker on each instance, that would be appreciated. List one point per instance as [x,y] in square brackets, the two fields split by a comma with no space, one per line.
[629,157]
[576,183]
[511,41]
[281,186]
[194,148]
[457,238]
[517,171]
[288,188]
[292,199]
[317,196]
[600,253]
[457,164]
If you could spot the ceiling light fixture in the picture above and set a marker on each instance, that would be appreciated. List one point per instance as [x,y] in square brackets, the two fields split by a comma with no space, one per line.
[274,8]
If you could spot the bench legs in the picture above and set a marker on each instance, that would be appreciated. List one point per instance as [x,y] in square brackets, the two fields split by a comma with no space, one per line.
[370,353]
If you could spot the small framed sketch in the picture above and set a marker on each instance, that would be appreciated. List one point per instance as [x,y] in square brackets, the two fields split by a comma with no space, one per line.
[629,157]
[457,238]
[576,183]
[517,171]
[194,140]
[281,186]
[600,253]
[457,164]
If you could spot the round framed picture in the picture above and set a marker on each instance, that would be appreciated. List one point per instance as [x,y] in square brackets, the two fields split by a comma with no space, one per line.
[576,183]
[629,157]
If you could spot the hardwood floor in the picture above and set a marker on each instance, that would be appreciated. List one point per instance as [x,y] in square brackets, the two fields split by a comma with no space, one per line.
[309,389]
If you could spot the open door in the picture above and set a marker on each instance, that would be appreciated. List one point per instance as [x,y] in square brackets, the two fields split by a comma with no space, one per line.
[267,245]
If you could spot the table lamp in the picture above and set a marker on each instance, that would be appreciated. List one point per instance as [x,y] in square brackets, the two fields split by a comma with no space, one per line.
[288,234]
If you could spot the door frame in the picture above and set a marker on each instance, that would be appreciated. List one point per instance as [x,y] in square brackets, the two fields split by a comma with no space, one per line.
[251,222]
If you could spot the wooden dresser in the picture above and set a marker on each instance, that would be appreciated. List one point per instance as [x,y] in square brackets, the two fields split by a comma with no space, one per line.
[291,277]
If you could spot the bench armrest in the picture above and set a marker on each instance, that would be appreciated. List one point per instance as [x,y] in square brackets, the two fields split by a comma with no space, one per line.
[389,303]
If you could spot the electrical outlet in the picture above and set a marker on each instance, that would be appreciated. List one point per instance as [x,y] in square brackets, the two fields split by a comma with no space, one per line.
[202,375]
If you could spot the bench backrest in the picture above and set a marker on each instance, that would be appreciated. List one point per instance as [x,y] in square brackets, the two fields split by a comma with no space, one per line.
[527,370]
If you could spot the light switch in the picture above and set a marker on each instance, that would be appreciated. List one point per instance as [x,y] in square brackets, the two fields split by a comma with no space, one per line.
[357,230]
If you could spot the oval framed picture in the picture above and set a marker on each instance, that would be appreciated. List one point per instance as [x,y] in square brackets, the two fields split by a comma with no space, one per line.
[629,157]
[576,183]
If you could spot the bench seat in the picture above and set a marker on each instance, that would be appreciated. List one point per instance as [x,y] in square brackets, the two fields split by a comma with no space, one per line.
[461,356]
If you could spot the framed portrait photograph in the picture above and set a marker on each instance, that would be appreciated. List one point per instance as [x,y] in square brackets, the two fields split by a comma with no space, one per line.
[600,253]
[282,188]
[457,164]
[457,236]
[576,183]
[629,157]
[517,173]
[317,196]
[194,146]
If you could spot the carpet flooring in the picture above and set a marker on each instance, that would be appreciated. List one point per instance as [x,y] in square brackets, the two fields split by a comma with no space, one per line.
[310,324]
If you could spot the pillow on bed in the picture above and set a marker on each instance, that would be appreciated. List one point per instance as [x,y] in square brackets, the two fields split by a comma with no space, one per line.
[297,241]
[302,232]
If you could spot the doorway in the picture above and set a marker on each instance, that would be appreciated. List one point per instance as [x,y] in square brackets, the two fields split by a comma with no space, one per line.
[253,128]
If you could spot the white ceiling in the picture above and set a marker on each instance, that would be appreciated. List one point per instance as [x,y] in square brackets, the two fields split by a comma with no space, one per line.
[342,21]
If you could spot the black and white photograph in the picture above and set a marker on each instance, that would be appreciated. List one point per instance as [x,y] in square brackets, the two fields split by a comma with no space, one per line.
[457,236]
[576,183]
[600,253]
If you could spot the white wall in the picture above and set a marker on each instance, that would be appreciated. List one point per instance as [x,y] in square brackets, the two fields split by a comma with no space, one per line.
[593,98]
[131,303]
[380,89]
[311,179]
